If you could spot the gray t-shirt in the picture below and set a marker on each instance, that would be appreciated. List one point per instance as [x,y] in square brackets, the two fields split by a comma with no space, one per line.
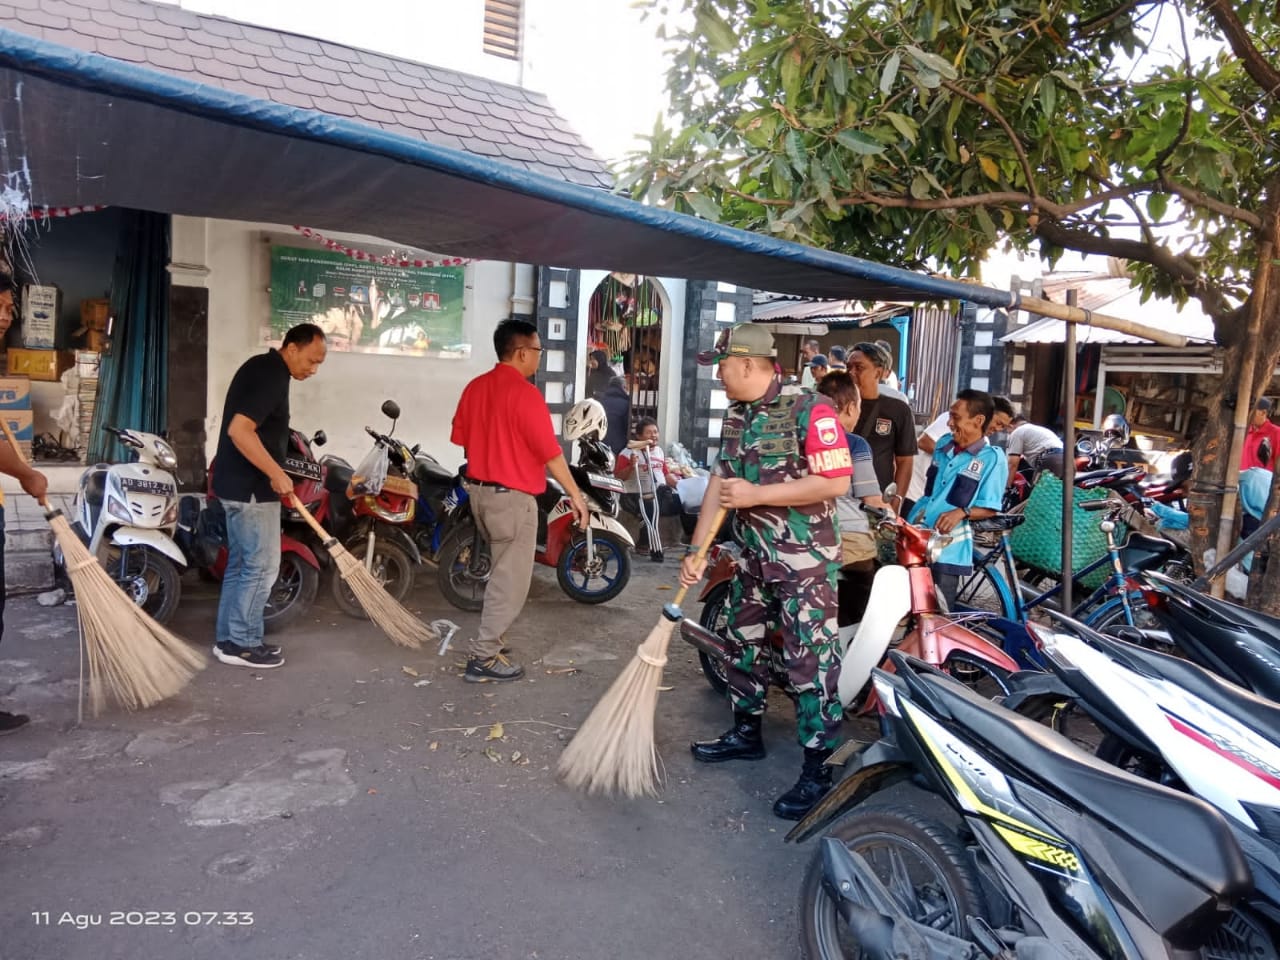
[1031,442]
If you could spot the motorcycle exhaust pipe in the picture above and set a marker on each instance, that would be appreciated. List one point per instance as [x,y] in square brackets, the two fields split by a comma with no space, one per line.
[702,639]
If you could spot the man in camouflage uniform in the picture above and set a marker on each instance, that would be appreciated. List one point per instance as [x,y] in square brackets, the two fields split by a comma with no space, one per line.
[783,461]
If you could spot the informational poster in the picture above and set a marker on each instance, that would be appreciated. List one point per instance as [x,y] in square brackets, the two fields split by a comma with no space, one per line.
[367,307]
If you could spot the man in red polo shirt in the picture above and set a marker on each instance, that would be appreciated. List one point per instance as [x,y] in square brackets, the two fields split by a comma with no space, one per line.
[503,424]
[1261,432]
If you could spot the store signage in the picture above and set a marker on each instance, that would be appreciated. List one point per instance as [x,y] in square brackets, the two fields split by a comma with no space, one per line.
[367,307]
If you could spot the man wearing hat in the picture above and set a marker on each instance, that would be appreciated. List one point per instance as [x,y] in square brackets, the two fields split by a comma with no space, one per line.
[886,422]
[819,367]
[1262,439]
[783,461]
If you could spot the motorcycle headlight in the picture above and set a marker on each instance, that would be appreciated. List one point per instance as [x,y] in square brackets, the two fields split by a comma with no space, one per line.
[118,510]
[165,455]
[937,543]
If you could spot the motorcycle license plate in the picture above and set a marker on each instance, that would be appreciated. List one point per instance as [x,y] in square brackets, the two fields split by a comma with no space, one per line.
[306,469]
[157,487]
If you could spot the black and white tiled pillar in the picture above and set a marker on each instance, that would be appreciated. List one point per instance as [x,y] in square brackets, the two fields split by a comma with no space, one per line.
[710,308]
[557,319]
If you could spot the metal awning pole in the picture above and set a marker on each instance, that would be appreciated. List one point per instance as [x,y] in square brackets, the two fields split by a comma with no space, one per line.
[1068,455]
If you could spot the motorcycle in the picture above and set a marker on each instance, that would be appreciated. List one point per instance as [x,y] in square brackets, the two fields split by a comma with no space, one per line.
[202,537]
[376,527]
[897,591]
[1055,855]
[127,513]
[592,565]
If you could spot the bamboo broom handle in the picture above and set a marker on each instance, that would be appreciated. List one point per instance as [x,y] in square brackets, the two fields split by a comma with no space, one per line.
[702,550]
[320,531]
[17,451]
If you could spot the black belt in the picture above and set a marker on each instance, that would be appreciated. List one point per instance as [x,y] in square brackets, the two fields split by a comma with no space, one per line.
[501,488]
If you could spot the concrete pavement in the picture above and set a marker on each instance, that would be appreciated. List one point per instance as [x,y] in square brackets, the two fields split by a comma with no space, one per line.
[362,801]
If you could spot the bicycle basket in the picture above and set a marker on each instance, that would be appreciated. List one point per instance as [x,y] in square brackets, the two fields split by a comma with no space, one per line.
[1038,541]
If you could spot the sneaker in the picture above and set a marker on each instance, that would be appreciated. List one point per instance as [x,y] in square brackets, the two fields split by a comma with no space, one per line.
[9,722]
[496,669]
[262,657]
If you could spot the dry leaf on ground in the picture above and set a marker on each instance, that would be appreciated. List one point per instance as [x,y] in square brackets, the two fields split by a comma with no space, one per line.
[495,732]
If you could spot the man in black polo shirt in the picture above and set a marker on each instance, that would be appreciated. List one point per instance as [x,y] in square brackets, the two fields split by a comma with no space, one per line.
[886,422]
[249,480]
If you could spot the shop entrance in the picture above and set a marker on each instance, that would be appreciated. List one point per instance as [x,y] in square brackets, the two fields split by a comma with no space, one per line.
[625,317]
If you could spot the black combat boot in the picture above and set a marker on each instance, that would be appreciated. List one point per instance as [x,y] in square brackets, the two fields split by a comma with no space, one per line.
[742,742]
[814,782]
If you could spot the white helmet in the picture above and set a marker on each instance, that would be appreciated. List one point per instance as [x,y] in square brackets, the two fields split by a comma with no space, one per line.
[586,417]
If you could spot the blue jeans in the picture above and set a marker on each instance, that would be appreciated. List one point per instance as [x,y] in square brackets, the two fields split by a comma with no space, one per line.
[253,563]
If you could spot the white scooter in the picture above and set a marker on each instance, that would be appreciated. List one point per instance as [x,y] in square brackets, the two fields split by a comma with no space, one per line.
[126,513]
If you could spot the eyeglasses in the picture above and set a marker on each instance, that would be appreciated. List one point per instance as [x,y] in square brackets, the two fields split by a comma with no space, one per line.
[536,349]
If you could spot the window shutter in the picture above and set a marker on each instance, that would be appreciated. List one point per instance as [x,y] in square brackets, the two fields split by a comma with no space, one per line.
[502,28]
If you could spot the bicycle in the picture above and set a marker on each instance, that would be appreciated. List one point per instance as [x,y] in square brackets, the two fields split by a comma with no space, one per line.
[1006,609]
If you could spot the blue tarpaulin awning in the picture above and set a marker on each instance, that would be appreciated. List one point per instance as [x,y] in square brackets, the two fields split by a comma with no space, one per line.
[80,128]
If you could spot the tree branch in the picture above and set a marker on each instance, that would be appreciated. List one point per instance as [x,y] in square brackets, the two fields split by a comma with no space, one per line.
[1237,34]
[1059,211]
[996,115]
[1198,199]
[1086,27]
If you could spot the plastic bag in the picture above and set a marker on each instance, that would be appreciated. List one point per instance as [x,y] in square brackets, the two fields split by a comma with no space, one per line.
[371,474]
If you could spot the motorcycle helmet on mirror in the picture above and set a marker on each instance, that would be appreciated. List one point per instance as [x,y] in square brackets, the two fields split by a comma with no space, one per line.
[585,419]
[1116,428]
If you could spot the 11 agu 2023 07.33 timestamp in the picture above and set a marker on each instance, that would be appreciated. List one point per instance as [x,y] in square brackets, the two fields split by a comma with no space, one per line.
[144,918]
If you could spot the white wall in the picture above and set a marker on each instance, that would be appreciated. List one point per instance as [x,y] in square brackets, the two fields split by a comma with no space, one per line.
[347,392]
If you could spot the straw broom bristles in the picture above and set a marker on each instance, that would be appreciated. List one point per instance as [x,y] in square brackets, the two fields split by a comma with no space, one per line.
[383,609]
[614,751]
[130,656]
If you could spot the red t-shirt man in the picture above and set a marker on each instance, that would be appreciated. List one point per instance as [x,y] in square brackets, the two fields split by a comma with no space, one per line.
[504,426]
[1260,429]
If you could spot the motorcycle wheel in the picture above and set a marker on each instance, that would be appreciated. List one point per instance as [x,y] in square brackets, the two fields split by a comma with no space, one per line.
[898,844]
[715,618]
[292,594]
[152,581]
[610,573]
[461,587]
[392,567]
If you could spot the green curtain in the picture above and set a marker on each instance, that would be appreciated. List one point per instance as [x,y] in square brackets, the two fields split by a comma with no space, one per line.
[133,384]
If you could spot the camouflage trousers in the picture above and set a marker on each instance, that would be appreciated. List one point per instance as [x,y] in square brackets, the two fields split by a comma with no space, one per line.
[802,611]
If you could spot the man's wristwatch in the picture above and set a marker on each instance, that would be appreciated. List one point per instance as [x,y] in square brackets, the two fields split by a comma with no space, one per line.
[965,510]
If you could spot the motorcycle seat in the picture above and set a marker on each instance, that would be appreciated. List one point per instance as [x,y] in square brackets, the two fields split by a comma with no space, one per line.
[1255,622]
[1142,552]
[1176,828]
[1256,712]
[1108,476]
[999,523]
[427,472]
[336,478]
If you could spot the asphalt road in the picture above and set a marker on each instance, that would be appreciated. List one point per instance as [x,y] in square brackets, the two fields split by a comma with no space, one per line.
[342,807]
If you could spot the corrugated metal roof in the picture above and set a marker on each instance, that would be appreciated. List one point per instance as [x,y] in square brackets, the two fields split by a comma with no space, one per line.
[1119,298]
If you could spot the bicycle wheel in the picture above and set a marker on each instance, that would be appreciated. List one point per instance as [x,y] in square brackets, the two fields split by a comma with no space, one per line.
[985,590]
[1110,615]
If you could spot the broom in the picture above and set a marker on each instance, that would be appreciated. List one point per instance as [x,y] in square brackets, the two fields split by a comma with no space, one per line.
[613,751]
[383,609]
[130,656]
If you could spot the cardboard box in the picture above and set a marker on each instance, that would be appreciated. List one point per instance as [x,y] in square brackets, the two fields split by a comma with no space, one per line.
[15,393]
[40,307]
[39,364]
[94,314]
[95,340]
[22,423]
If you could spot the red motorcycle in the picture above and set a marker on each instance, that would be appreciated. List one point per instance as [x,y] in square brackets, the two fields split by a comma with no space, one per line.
[901,592]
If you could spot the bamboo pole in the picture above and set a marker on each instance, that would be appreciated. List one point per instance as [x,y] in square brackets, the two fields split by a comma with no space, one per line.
[1073,314]
[1069,459]
[1243,410]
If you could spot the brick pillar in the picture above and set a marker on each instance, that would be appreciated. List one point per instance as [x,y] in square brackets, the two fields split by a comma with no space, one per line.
[710,308]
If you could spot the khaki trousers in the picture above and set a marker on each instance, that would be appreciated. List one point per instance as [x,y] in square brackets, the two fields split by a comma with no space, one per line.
[508,521]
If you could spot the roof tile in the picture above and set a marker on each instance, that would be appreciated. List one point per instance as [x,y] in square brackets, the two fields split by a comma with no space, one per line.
[444,107]
[346,54]
[338,92]
[302,44]
[303,85]
[290,98]
[213,67]
[482,147]
[38,18]
[166,59]
[222,28]
[281,67]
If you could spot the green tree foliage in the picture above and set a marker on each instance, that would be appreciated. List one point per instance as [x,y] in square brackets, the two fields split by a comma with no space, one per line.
[928,132]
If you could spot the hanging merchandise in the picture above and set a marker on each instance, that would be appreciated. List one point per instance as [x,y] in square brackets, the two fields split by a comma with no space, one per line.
[388,260]
[50,213]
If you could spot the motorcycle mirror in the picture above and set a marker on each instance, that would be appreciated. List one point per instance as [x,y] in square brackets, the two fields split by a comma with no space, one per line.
[319,438]
[391,409]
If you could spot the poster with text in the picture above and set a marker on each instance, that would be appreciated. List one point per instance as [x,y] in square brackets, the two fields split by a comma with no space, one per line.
[367,307]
